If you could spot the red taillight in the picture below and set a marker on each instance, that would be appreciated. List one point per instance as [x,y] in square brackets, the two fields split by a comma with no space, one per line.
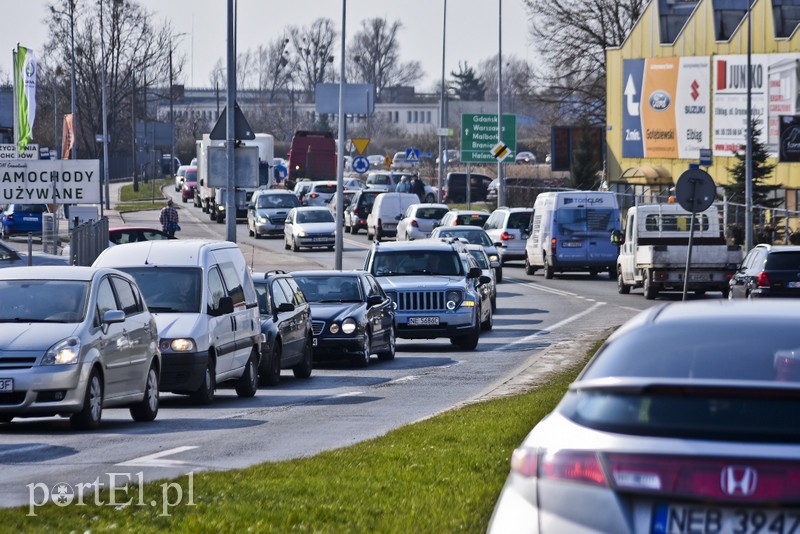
[553,243]
[313,195]
[10,217]
[763,279]
[414,223]
[525,462]
[455,222]
[505,236]
[572,466]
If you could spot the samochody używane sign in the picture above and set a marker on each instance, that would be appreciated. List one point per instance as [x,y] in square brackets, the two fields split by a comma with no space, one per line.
[48,181]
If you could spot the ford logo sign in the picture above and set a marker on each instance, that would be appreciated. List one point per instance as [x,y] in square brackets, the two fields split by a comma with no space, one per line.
[659,100]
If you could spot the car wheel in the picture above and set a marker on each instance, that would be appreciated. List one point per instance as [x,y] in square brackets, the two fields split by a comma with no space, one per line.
[727,293]
[205,393]
[391,349]
[250,231]
[494,303]
[650,291]
[498,275]
[548,269]
[286,244]
[247,385]
[378,235]
[612,272]
[270,369]
[488,324]
[147,408]
[212,214]
[91,413]
[622,288]
[430,199]
[353,229]
[363,359]
[305,367]
[529,269]
[295,247]
[184,199]
[469,341]
[220,218]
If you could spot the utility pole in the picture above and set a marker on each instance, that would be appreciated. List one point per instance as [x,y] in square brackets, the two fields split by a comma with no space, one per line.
[443,110]
[230,195]
[501,180]
[340,155]
[133,136]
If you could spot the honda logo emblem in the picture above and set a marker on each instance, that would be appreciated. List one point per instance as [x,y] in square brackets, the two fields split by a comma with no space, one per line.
[738,481]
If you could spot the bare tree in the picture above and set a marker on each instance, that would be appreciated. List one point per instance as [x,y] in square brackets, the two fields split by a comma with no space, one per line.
[133,46]
[517,77]
[375,53]
[572,36]
[314,46]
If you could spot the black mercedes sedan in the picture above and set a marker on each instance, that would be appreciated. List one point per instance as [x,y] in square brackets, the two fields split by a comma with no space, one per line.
[351,316]
[286,324]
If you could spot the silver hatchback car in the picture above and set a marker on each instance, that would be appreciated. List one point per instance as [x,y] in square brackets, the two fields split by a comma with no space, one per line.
[75,340]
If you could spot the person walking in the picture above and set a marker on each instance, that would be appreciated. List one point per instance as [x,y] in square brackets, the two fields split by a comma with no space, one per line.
[418,188]
[169,219]
[403,186]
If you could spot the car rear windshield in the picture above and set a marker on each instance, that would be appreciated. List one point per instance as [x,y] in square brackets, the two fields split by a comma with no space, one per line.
[583,220]
[431,213]
[783,261]
[30,208]
[169,289]
[704,381]
[519,220]
[327,188]
[473,237]
[472,219]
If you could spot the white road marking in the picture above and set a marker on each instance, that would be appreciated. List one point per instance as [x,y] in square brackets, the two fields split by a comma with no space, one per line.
[348,394]
[157,459]
[545,289]
[27,448]
[552,328]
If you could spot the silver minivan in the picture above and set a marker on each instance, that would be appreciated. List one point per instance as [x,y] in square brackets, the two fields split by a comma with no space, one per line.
[75,340]
[205,305]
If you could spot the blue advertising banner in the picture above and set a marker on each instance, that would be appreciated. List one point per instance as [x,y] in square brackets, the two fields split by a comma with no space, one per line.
[632,78]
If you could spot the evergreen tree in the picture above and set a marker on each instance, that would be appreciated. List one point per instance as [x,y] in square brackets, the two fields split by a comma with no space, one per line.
[466,84]
[735,191]
[584,161]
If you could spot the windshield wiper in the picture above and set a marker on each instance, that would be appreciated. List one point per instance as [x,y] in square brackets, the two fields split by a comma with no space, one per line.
[21,320]
[163,309]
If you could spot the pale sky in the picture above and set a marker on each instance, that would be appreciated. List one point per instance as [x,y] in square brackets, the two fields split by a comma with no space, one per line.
[472,28]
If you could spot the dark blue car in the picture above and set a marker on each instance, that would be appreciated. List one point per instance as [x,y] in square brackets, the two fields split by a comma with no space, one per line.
[23,218]
[286,324]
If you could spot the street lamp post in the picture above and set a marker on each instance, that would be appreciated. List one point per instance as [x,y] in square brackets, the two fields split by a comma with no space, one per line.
[501,182]
[105,115]
[748,173]
[443,110]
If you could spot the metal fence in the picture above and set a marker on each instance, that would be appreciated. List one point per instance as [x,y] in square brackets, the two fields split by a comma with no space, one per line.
[87,241]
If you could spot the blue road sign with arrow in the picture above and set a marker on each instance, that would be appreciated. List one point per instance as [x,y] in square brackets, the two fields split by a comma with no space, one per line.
[360,164]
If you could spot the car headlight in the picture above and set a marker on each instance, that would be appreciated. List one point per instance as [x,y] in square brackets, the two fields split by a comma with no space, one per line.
[180,344]
[494,257]
[453,298]
[64,352]
[263,220]
[302,234]
[349,326]
[221,208]
[334,328]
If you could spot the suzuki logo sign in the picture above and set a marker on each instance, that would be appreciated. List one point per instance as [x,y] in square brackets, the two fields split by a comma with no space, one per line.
[738,481]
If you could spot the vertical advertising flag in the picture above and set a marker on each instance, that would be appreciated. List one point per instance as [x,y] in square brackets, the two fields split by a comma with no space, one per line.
[25,82]
[67,136]
[658,107]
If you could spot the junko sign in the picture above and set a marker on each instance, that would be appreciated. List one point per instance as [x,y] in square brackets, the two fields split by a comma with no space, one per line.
[46,181]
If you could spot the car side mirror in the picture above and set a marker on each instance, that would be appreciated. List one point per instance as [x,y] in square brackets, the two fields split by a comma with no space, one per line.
[251,206]
[484,280]
[399,218]
[201,181]
[374,300]
[113,316]
[225,306]
[498,244]
[474,272]
[284,307]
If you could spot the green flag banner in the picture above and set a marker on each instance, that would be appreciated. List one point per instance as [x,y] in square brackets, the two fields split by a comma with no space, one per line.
[25,82]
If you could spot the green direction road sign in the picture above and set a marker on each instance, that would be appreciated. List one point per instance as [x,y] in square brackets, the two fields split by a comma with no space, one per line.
[479,136]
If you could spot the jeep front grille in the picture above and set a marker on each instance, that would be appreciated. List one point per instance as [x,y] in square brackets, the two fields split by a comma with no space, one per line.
[317,327]
[421,300]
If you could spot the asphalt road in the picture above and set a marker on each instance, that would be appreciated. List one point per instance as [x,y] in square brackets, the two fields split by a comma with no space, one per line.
[338,406]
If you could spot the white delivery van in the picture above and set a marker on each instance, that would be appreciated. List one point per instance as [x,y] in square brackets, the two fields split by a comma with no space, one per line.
[571,231]
[205,306]
[386,212]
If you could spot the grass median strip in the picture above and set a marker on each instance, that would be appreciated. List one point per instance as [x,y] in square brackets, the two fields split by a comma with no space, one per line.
[140,206]
[147,190]
[439,475]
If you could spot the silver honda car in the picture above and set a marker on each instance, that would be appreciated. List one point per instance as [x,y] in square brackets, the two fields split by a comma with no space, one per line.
[75,340]
[686,420]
